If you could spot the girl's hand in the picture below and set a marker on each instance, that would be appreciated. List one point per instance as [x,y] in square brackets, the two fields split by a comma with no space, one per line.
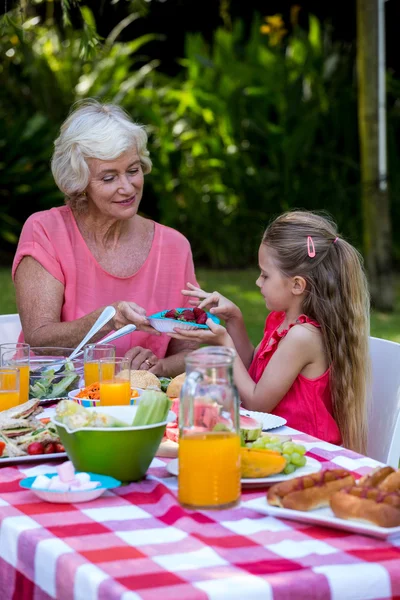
[129,312]
[214,302]
[215,336]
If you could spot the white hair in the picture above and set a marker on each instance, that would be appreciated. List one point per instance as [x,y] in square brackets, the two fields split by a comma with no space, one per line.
[93,130]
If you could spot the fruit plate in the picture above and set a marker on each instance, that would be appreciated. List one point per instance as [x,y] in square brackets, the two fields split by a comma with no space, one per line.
[28,458]
[106,483]
[321,516]
[311,466]
[267,420]
[160,323]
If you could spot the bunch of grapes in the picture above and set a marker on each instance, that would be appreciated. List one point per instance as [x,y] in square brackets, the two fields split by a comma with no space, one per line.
[293,453]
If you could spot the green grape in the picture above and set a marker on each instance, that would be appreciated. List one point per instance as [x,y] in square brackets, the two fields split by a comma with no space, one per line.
[300,449]
[288,447]
[286,457]
[289,469]
[303,461]
[275,439]
[259,443]
[298,460]
[275,448]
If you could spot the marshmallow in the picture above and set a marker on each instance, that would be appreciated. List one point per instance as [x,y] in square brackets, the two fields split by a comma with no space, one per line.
[41,483]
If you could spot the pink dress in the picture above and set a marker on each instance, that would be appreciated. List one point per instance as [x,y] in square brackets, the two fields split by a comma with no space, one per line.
[53,239]
[307,406]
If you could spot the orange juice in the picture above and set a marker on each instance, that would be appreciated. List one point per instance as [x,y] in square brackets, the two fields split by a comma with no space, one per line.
[9,389]
[8,399]
[209,469]
[91,372]
[114,393]
[23,383]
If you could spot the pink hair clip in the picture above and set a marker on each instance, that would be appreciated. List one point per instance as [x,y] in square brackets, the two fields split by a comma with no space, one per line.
[335,240]
[310,247]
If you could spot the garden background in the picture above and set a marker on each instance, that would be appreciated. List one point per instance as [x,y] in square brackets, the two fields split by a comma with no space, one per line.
[251,110]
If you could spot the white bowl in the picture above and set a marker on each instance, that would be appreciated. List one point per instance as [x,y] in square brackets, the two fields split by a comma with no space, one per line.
[75,496]
[91,403]
[166,325]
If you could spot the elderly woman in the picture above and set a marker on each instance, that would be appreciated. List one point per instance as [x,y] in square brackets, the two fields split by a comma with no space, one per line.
[74,260]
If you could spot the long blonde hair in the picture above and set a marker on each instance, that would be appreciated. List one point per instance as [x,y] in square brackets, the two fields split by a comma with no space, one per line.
[337,297]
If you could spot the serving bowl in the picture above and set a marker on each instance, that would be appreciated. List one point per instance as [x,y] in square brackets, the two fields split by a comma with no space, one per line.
[121,452]
[87,402]
[160,323]
[41,360]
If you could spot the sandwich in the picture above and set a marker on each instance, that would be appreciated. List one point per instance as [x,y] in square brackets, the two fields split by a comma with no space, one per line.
[15,427]
[8,448]
[144,380]
[30,408]
[175,386]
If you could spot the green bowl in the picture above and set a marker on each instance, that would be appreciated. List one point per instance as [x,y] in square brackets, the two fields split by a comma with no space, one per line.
[121,452]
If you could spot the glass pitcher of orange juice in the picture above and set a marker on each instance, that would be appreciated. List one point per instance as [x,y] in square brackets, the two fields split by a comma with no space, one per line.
[209,434]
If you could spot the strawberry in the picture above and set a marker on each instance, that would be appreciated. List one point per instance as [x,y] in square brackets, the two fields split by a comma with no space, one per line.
[201,319]
[170,314]
[197,311]
[59,447]
[187,315]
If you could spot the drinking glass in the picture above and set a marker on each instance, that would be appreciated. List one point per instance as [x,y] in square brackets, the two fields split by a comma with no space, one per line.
[9,387]
[92,354]
[209,434]
[115,383]
[18,355]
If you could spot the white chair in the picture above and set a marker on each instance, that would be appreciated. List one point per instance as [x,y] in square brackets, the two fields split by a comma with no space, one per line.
[10,328]
[384,410]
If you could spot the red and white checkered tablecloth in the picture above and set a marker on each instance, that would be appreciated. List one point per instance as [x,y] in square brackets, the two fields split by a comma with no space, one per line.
[138,543]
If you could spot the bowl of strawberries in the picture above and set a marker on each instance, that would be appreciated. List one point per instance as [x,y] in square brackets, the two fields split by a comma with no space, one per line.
[184,318]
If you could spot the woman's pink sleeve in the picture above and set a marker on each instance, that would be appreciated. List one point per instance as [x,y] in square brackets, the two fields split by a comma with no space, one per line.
[36,242]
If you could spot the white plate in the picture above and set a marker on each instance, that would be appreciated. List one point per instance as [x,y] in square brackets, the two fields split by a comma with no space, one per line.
[267,420]
[321,516]
[312,466]
[32,458]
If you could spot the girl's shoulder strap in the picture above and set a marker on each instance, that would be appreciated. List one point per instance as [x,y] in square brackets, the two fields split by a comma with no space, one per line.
[304,319]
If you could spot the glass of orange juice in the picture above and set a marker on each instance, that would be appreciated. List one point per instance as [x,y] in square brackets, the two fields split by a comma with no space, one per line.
[92,354]
[209,434]
[9,387]
[17,355]
[115,383]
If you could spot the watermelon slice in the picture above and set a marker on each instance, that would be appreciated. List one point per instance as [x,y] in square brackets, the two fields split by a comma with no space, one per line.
[250,429]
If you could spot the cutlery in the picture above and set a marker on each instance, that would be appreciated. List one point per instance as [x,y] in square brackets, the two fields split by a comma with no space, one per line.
[105,316]
[113,336]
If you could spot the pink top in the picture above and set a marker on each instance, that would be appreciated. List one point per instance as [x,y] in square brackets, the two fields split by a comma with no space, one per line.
[53,239]
[307,406]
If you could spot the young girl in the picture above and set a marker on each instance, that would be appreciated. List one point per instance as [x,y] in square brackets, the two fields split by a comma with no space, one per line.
[311,366]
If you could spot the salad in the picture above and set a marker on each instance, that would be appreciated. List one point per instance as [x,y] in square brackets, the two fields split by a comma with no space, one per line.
[47,383]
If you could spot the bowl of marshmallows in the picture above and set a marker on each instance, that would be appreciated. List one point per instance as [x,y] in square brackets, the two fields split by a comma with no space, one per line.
[67,485]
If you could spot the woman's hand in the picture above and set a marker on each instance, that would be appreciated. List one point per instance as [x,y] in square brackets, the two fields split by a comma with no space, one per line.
[216,335]
[129,312]
[141,358]
[214,302]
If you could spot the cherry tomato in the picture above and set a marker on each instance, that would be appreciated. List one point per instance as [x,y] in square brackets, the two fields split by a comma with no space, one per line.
[36,448]
[50,448]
